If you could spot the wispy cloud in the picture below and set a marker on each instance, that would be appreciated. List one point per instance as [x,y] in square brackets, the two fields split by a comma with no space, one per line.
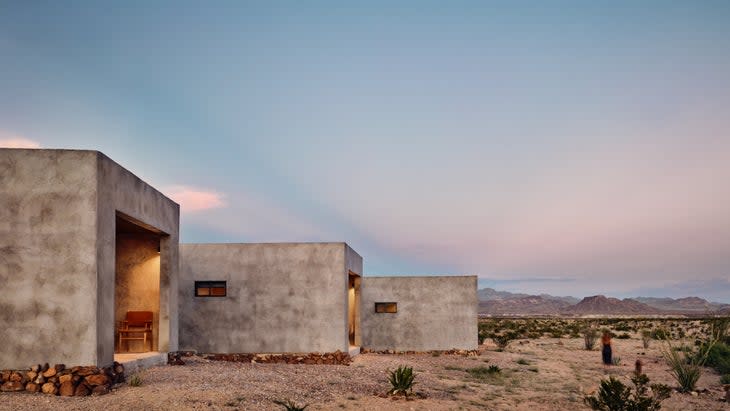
[14,141]
[195,199]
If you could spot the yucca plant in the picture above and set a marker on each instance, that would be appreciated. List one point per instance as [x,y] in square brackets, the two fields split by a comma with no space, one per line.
[401,380]
[685,367]
[135,380]
[290,405]
[645,338]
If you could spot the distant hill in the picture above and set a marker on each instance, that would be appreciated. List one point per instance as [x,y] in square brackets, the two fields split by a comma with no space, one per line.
[599,304]
[495,302]
[680,304]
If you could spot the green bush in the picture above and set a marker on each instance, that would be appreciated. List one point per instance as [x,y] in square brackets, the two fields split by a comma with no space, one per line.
[718,357]
[504,339]
[725,379]
[401,381]
[484,372]
[613,395]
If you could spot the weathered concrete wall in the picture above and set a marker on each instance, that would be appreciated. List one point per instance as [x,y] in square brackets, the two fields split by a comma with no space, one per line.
[57,255]
[280,297]
[434,313]
[47,257]
[137,284]
[121,191]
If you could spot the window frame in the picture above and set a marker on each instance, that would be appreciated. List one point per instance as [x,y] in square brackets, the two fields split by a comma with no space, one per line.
[210,285]
[386,305]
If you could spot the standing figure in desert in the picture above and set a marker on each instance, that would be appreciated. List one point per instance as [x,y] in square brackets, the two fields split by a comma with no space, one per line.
[606,348]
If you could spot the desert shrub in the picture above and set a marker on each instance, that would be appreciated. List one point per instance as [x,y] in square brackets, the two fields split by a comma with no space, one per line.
[504,339]
[685,365]
[718,357]
[616,360]
[613,395]
[719,330]
[590,336]
[135,380]
[484,372]
[523,361]
[659,334]
[401,380]
[645,337]
[290,405]
[725,379]
[624,336]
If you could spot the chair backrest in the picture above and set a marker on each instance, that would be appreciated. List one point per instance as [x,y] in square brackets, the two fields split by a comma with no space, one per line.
[137,318]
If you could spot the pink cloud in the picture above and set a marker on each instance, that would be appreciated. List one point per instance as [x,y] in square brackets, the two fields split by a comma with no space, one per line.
[192,199]
[18,142]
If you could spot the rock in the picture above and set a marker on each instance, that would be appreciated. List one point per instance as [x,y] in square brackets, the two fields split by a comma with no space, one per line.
[49,372]
[59,367]
[100,390]
[82,390]
[17,377]
[35,368]
[65,378]
[40,379]
[694,393]
[32,387]
[10,386]
[32,375]
[49,388]
[97,379]
[67,389]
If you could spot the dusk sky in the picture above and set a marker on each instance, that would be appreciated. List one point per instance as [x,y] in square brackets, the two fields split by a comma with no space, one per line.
[570,148]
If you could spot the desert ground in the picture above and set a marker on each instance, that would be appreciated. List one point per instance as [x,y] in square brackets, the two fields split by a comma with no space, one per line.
[546,373]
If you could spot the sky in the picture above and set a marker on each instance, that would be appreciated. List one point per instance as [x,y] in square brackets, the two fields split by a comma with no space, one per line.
[570,148]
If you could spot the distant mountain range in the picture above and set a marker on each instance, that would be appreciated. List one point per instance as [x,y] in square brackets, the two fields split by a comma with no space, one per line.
[495,302]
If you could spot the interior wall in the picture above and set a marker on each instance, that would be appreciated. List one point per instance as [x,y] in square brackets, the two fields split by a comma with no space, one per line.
[137,284]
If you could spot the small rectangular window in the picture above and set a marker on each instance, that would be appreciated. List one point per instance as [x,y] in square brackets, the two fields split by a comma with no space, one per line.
[383,308]
[210,288]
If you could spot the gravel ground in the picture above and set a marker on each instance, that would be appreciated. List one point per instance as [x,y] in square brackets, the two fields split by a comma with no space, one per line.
[547,374]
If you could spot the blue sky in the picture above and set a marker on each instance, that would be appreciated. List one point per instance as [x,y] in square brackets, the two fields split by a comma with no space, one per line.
[561,147]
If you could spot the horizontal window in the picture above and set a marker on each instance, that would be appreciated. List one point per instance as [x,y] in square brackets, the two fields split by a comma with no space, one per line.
[210,288]
[386,308]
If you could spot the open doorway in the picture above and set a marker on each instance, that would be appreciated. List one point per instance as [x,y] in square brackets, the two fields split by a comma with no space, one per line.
[353,309]
[137,286]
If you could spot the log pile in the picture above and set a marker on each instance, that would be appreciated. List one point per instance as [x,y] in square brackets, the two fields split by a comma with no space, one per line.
[76,381]
[463,353]
[332,358]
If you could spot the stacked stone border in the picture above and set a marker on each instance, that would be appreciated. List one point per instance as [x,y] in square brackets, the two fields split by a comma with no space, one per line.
[331,358]
[78,381]
[463,353]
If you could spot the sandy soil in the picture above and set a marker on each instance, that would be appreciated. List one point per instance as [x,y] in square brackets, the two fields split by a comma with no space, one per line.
[543,374]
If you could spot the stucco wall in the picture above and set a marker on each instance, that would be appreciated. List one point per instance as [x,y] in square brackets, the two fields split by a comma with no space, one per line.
[137,284]
[280,297]
[47,257]
[57,253]
[121,191]
[434,313]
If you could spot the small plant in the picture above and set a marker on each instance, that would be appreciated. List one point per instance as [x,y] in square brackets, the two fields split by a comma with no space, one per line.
[725,379]
[590,336]
[613,395]
[523,361]
[616,360]
[135,380]
[401,380]
[645,338]
[290,405]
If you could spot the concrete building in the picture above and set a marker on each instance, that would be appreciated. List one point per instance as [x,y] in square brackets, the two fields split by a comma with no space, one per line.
[289,297]
[79,241]
[83,242]
[419,313]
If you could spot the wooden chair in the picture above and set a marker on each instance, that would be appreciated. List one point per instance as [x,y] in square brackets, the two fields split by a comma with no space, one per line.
[136,327]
